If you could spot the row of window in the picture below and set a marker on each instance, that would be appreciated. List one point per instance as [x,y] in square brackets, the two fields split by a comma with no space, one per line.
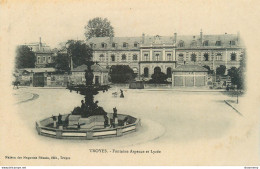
[113,57]
[206,43]
[43,59]
[114,45]
[233,57]
[157,57]
[180,44]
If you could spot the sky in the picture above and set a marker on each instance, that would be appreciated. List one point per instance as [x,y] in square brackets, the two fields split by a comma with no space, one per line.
[58,21]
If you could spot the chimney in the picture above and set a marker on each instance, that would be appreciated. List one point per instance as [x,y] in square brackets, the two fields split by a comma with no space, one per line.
[40,43]
[175,37]
[238,37]
[143,38]
[201,36]
[111,39]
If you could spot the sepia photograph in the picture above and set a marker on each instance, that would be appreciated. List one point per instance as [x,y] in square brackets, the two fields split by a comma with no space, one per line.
[129,83]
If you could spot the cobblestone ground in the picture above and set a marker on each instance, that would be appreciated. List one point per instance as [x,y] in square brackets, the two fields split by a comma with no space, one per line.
[183,125]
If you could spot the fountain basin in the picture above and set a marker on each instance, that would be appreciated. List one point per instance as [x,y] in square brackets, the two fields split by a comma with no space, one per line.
[93,129]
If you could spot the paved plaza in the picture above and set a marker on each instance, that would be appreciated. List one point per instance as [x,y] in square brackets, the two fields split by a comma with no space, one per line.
[180,120]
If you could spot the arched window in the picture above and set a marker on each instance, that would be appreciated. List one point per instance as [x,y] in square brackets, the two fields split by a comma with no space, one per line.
[123,57]
[112,58]
[157,69]
[193,57]
[146,72]
[233,56]
[206,57]
[169,72]
[134,56]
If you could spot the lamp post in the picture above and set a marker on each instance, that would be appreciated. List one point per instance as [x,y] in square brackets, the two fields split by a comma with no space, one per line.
[237,93]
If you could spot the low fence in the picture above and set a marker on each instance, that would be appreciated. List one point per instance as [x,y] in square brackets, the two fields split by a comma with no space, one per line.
[87,134]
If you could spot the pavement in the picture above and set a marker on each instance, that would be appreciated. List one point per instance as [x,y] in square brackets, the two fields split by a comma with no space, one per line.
[173,122]
[22,96]
[148,88]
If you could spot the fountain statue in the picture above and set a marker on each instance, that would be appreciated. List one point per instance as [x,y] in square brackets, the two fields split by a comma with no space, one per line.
[89,121]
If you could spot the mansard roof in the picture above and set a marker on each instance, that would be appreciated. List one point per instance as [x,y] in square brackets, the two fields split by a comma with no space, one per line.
[167,40]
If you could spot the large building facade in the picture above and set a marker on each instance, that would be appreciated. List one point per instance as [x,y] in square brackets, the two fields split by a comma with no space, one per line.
[147,54]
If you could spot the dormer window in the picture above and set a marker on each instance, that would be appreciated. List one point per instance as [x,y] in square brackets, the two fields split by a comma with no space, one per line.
[113,45]
[124,44]
[218,43]
[193,43]
[232,42]
[181,44]
[135,44]
[206,43]
[103,45]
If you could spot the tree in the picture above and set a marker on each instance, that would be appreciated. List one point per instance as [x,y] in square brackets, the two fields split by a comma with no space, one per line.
[233,73]
[61,62]
[80,52]
[25,58]
[99,27]
[209,70]
[221,70]
[159,77]
[241,74]
[121,73]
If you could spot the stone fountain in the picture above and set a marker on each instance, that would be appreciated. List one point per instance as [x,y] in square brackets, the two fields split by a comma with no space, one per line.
[89,121]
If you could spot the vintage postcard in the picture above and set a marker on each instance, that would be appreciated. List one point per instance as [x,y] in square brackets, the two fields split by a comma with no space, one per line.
[129,83]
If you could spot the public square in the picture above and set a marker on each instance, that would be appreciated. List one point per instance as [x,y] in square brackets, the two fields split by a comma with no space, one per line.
[173,122]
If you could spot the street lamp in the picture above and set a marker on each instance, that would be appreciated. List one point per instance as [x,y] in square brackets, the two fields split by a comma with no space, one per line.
[67,45]
[237,92]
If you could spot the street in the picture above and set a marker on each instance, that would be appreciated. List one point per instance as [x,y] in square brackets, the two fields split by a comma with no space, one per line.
[173,122]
